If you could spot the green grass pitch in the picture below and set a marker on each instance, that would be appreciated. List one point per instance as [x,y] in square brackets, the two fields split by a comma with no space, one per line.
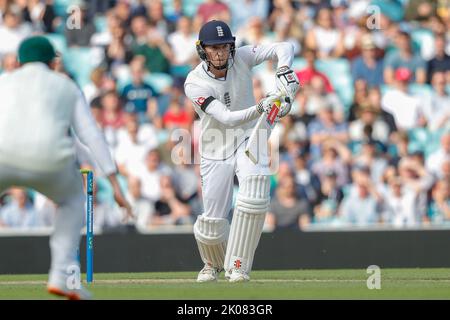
[292,284]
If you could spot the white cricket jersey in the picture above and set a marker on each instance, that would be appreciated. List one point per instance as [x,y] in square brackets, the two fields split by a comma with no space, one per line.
[39,107]
[227,106]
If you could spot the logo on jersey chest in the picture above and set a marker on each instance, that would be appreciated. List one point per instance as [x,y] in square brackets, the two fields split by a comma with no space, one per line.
[227,99]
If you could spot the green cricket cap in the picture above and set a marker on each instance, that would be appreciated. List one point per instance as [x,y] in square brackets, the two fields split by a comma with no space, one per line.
[36,49]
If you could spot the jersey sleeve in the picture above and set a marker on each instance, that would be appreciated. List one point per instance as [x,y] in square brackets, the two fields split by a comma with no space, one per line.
[254,55]
[86,130]
[204,100]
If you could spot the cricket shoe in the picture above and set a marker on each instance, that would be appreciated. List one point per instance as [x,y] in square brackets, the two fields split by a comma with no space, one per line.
[208,273]
[237,275]
[71,294]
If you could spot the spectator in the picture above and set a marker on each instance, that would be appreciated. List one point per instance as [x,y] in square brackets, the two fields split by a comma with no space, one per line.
[122,10]
[253,34]
[404,58]
[212,10]
[436,159]
[117,53]
[437,108]
[400,205]
[329,200]
[94,88]
[307,181]
[324,37]
[156,52]
[362,206]
[316,95]
[439,209]
[9,63]
[369,157]
[131,150]
[140,97]
[399,148]
[79,34]
[325,127]
[142,208]
[441,60]
[405,108]
[155,10]
[181,42]
[369,125]
[13,30]
[112,113]
[374,99]
[150,173]
[19,212]
[176,117]
[41,15]
[139,31]
[244,10]
[367,67]
[416,178]
[335,157]
[360,97]
[286,210]
[305,75]
[170,209]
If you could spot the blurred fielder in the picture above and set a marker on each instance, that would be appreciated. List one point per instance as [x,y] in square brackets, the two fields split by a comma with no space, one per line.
[221,90]
[41,110]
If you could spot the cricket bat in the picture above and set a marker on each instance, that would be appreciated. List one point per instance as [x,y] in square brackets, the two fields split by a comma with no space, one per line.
[257,144]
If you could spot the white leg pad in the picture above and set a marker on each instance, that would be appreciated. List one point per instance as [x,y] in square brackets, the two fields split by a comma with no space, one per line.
[211,235]
[248,220]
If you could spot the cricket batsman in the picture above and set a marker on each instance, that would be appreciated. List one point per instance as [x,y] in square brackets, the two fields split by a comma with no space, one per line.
[220,88]
[42,110]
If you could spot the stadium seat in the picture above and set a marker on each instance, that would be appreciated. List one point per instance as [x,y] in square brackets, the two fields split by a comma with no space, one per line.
[298,64]
[424,39]
[422,90]
[434,142]
[418,139]
[79,63]
[338,71]
[58,41]
[101,24]
[190,7]
[60,6]
[159,81]
[180,71]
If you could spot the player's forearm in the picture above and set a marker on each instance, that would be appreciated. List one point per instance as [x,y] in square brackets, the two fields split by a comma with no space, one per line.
[87,131]
[232,118]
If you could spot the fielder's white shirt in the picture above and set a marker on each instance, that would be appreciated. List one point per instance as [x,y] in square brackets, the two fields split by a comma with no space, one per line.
[41,111]
[226,107]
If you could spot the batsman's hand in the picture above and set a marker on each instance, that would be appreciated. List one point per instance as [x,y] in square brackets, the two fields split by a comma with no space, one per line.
[265,104]
[120,198]
[287,82]
[123,203]
[285,107]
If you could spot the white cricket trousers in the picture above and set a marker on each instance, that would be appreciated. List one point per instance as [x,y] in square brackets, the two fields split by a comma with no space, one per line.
[65,188]
[218,179]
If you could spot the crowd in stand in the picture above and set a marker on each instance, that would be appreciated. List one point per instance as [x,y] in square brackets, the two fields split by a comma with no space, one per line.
[367,141]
